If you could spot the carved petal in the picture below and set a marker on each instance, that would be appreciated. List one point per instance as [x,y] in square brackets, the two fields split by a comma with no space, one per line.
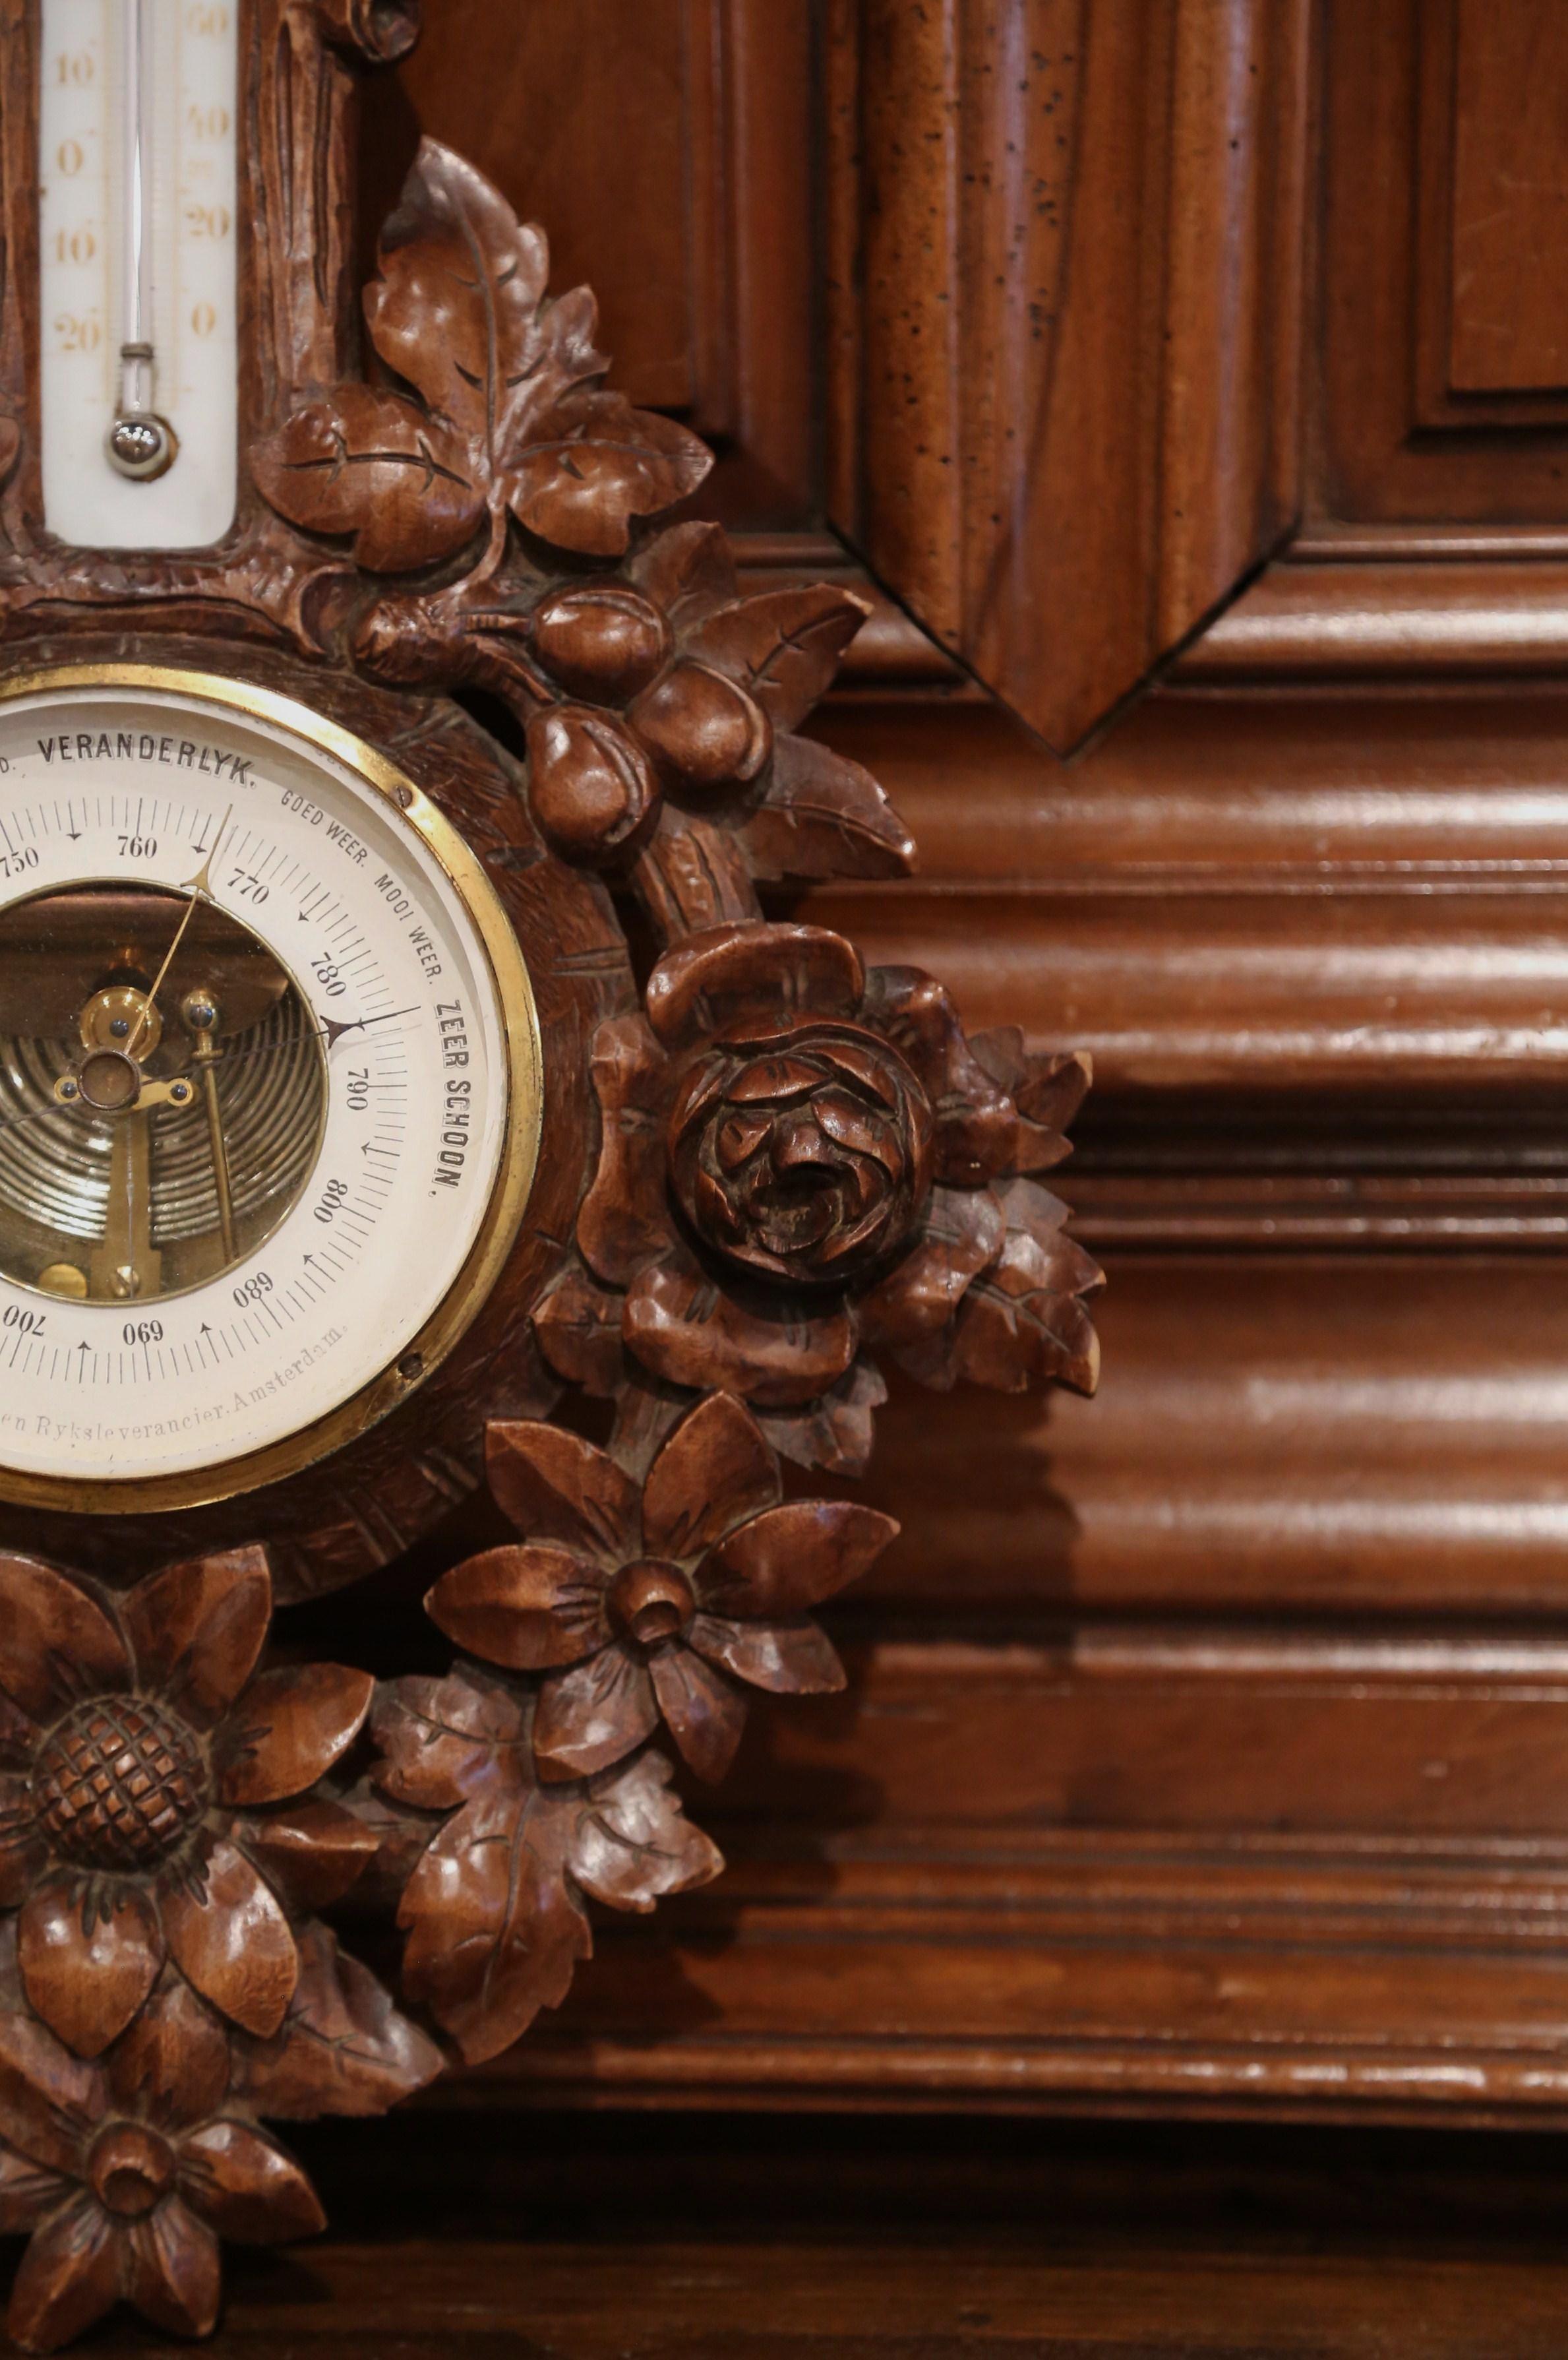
[22,1848]
[366,462]
[173,2067]
[790,1557]
[27,2193]
[247,2186]
[172,2270]
[784,646]
[88,1973]
[685,1330]
[715,1470]
[69,2277]
[288,1729]
[790,1659]
[555,1487]
[704,1711]
[824,816]
[634,1843]
[232,1943]
[314,1851]
[625,1223]
[964,1234]
[594,1715]
[530,1608]
[596,465]
[455,310]
[56,1643]
[50,2103]
[197,1628]
[441,1740]
[740,973]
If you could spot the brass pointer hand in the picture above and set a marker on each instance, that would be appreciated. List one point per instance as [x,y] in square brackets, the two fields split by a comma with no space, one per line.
[199,889]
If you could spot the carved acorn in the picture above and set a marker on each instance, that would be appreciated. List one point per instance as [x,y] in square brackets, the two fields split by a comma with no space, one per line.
[805,1168]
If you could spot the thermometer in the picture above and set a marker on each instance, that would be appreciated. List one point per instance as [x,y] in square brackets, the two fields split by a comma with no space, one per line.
[139,358]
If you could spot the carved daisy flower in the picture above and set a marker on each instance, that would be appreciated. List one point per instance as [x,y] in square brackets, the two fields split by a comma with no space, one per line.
[127,2171]
[659,1602]
[155,1792]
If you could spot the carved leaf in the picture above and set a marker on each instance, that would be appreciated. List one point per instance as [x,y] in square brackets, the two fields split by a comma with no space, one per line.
[367,462]
[343,2048]
[824,816]
[1022,1320]
[495,1910]
[579,1328]
[784,646]
[836,1431]
[763,1346]
[441,1740]
[687,571]
[597,464]
[456,308]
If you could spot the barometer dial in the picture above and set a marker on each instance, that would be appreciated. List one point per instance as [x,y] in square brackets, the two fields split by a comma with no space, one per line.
[268,1087]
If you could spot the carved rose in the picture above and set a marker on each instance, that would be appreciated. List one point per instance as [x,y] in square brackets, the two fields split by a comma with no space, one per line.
[156,1797]
[803,1166]
[127,2171]
[801,1150]
[642,1603]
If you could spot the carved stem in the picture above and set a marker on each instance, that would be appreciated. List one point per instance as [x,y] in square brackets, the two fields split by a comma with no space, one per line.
[689,879]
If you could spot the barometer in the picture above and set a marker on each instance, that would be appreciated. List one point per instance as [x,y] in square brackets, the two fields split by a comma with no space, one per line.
[269,1086]
[403,1098]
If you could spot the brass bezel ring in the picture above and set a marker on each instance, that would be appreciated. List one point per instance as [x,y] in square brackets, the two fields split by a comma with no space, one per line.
[521,1133]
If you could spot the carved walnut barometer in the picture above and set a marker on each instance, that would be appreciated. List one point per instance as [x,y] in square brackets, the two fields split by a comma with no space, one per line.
[363,697]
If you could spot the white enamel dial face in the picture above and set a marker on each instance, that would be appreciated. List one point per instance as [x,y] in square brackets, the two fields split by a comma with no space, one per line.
[232,1200]
[137,138]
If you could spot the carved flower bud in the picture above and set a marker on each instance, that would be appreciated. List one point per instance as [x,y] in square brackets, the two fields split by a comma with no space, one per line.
[601,639]
[591,786]
[703,726]
[805,1155]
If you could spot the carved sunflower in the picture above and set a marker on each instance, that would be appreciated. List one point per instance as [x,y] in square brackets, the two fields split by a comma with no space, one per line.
[155,1798]
[802,1164]
[659,1601]
[126,2171]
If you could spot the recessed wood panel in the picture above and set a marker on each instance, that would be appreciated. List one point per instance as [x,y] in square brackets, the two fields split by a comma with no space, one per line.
[1510,325]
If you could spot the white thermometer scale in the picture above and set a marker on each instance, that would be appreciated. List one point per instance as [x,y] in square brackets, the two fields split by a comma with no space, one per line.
[137,189]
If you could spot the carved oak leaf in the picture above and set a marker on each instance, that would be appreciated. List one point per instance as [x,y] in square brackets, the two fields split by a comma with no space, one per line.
[800,1161]
[343,2048]
[501,417]
[496,1909]
[157,1792]
[128,2171]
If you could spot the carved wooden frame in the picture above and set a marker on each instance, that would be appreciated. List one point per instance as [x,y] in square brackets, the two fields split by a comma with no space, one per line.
[766,1174]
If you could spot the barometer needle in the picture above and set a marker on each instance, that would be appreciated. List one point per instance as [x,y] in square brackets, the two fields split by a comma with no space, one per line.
[199,889]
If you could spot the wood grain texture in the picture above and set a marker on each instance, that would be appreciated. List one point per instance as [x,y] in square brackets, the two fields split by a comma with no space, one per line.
[1510,203]
[1064,397]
